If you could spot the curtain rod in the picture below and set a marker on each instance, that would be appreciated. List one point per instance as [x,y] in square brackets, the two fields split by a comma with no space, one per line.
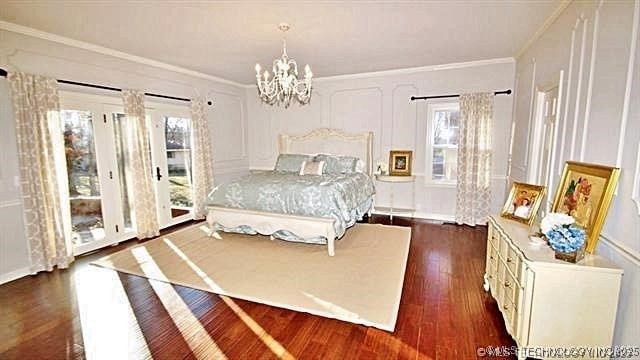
[3,73]
[413,98]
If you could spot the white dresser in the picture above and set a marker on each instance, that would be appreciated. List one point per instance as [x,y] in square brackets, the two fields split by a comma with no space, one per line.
[549,303]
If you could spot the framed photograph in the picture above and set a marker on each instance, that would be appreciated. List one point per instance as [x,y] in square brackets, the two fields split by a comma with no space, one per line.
[585,192]
[523,202]
[400,162]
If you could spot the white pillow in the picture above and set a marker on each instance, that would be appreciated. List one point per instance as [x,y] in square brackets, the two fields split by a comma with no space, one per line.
[312,167]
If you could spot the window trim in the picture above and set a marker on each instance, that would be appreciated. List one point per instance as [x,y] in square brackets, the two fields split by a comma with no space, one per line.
[430,146]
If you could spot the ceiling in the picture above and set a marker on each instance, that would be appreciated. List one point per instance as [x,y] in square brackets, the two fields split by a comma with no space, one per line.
[226,39]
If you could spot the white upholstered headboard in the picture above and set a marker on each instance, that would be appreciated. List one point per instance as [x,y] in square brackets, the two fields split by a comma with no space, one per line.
[330,141]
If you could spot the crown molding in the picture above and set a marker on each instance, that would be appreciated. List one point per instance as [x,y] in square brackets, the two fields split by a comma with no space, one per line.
[412,70]
[545,25]
[28,31]
[458,65]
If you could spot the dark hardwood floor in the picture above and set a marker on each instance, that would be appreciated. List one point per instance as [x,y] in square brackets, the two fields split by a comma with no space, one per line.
[87,312]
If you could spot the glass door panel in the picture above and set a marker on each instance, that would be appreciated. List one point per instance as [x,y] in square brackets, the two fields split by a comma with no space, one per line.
[119,136]
[178,152]
[171,155]
[85,200]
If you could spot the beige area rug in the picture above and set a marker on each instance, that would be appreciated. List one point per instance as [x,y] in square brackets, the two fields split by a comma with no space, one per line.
[361,284]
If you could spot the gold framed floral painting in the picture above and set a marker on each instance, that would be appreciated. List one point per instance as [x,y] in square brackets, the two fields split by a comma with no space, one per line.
[523,202]
[400,162]
[585,192]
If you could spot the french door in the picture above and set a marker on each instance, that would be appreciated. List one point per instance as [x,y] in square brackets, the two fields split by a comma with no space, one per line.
[95,150]
[98,190]
[171,156]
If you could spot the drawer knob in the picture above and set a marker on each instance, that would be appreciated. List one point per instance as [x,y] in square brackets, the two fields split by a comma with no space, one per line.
[506,307]
[509,260]
[507,284]
[492,258]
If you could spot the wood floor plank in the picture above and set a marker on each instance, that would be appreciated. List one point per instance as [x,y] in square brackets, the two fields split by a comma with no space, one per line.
[444,312]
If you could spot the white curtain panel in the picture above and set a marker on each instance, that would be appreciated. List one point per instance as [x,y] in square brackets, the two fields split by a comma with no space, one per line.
[201,157]
[473,199]
[44,183]
[139,171]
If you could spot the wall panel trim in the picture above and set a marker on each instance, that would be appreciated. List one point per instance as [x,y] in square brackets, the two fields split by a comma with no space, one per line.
[592,65]
[576,112]
[621,248]
[567,97]
[629,82]
[10,203]
[635,193]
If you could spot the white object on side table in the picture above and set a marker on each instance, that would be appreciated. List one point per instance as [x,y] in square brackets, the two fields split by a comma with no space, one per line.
[398,179]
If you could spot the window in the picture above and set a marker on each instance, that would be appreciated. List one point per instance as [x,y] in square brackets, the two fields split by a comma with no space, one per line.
[442,142]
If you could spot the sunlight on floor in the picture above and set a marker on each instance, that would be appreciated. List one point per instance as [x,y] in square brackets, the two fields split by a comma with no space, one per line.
[109,326]
[335,309]
[214,287]
[194,334]
[268,340]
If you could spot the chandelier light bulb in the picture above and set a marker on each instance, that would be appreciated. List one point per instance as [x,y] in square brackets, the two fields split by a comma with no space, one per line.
[266,75]
[258,68]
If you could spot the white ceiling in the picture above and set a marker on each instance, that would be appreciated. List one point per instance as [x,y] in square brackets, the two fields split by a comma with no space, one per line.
[226,39]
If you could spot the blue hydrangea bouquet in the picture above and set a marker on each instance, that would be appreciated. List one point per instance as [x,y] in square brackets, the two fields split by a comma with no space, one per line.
[565,238]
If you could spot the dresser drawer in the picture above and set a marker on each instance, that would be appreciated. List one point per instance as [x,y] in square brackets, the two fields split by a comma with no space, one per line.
[512,288]
[493,237]
[510,314]
[503,247]
[514,262]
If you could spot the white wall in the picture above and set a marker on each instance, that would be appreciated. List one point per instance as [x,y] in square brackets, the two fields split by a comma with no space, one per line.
[380,103]
[595,45]
[228,120]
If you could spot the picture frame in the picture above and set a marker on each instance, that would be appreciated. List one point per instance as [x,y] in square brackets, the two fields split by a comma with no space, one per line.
[523,202]
[585,192]
[400,162]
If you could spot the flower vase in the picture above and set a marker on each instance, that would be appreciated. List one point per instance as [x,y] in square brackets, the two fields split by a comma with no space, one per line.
[572,257]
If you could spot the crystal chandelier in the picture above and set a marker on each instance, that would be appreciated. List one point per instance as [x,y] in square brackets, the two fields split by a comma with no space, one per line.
[285,84]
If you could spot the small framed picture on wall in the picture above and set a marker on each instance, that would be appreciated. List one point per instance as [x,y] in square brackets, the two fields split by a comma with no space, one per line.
[400,162]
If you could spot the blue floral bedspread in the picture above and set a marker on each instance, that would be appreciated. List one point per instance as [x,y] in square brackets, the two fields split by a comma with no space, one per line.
[344,197]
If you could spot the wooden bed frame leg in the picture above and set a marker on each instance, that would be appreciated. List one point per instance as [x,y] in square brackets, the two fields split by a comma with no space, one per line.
[211,223]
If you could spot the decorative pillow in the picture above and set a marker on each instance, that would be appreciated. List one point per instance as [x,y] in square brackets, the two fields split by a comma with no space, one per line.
[312,168]
[291,162]
[338,164]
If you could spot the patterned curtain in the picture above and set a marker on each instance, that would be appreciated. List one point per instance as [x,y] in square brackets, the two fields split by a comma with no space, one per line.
[45,192]
[140,169]
[473,199]
[201,157]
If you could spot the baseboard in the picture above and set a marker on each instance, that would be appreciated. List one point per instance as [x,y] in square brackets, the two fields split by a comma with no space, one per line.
[422,215]
[13,275]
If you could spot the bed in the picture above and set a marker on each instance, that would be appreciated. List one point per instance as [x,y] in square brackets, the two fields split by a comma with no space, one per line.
[305,208]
